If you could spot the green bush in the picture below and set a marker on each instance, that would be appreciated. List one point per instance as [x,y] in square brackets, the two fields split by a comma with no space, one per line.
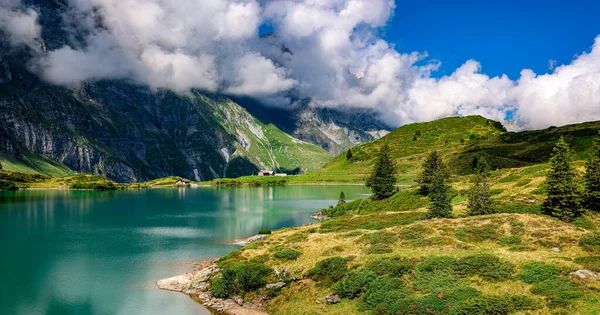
[329,270]
[589,262]
[222,287]
[534,272]
[230,259]
[509,240]
[436,263]
[264,231]
[288,254]
[497,305]
[584,223]
[439,281]
[433,303]
[383,292]
[250,276]
[352,285]
[297,237]
[487,266]
[413,232]
[559,291]
[393,266]
[590,242]
[6,185]
[381,237]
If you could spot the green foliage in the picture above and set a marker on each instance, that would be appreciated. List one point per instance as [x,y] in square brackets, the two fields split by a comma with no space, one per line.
[230,259]
[392,266]
[352,285]
[381,237]
[342,199]
[590,242]
[564,194]
[383,292]
[520,208]
[297,237]
[559,291]
[378,249]
[509,240]
[264,231]
[349,154]
[383,178]
[240,278]
[534,272]
[287,254]
[433,166]
[6,185]
[589,262]
[480,200]
[436,263]
[329,270]
[496,305]
[584,223]
[440,202]
[487,266]
[592,178]
[439,281]
[371,222]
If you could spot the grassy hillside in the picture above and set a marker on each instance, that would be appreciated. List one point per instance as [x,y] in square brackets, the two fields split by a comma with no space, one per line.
[458,140]
[34,164]
[386,257]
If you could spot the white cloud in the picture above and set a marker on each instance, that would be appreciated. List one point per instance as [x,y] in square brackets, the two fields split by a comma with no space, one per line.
[335,55]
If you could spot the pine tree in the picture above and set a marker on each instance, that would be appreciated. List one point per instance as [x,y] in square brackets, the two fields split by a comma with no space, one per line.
[563,192]
[382,180]
[414,137]
[432,165]
[342,199]
[480,200]
[349,154]
[592,178]
[439,198]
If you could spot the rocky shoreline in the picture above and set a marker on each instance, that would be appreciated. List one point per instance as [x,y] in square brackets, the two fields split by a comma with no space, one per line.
[196,285]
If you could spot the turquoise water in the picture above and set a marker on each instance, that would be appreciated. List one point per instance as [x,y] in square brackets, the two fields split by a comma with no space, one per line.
[84,252]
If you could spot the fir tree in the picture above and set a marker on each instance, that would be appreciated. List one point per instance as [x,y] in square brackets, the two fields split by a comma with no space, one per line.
[349,154]
[563,192]
[432,165]
[382,180]
[414,137]
[342,199]
[480,200]
[439,198]
[592,178]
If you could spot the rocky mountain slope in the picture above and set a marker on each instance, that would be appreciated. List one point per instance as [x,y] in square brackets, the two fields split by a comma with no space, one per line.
[127,132]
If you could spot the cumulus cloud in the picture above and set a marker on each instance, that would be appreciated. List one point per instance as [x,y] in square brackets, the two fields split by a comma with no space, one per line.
[330,51]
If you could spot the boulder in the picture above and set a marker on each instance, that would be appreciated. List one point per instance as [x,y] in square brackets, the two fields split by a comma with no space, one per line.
[585,274]
[333,298]
[276,285]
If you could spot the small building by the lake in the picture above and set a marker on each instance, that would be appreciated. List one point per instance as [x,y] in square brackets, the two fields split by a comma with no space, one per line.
[183,182]
[266,173]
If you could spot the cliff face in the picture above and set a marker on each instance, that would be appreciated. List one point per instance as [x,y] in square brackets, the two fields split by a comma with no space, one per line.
[128,132]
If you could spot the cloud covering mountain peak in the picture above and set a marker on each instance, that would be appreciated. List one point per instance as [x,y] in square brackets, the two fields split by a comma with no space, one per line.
[334,54]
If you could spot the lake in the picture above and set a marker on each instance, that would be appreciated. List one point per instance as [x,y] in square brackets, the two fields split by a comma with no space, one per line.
[87,252]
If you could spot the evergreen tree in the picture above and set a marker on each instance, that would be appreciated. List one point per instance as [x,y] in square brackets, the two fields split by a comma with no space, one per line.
[432,165]
[414,137]
[382,180]
[439,198]
[592,178]
[342,199]
[480,200]
[418,133]
[563,192]
[349,154]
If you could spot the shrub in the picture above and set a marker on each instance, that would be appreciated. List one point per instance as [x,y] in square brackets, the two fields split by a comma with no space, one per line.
[537,272]
[238,279]
[297,237]
[584,223]
[438,281]
[230,258]
[378,249]
[264,231]
[383,292]
[329,270]
[382,237]
[352,285]
[392,266]
[509,240]
[260,259]
[559,291]
[436,263]
[485,265]
[590,242]
[521,248]
[497,305]
[589,262]
[433,303]
[288,254]
[413,232]
[222,287]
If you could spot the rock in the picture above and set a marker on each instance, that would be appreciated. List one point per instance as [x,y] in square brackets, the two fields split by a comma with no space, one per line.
[585,274]
[238,299]
[318,302]
[276,285]
[248,240]
[555,249]
[178,283]
[319,216]
[333,298]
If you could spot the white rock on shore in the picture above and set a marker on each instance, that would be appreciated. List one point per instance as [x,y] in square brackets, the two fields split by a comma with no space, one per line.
[248,240]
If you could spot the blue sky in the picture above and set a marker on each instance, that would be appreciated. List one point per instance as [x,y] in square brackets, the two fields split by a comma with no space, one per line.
[505,36]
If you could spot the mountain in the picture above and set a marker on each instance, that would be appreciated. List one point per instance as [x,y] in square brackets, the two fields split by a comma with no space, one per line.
[127,132]
[459,140]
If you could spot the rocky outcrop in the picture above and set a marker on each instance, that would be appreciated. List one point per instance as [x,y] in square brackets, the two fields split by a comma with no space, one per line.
[248,240]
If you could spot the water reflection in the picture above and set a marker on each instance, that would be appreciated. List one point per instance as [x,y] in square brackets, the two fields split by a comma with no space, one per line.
[81,252]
